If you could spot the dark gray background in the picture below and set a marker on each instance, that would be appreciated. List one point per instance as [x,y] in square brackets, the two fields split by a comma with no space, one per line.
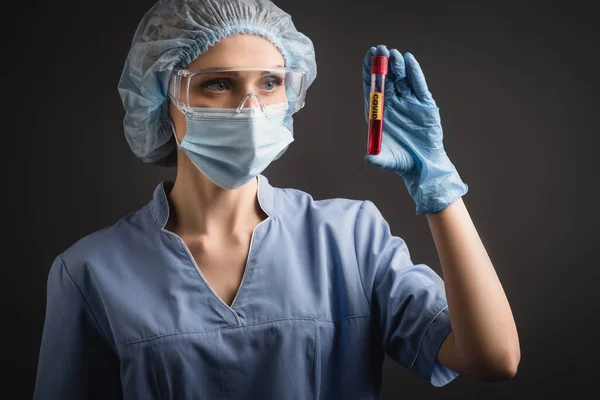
[518,90]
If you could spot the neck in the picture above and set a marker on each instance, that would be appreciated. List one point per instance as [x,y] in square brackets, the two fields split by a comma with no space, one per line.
[198,207]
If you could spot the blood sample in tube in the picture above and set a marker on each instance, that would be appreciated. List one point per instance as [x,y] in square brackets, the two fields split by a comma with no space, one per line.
[379,69]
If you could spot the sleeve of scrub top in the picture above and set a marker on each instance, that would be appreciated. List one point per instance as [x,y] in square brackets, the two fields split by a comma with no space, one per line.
[408,300]
[75,359]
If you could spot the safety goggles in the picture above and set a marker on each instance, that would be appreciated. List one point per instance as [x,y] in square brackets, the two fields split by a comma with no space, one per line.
[265,90]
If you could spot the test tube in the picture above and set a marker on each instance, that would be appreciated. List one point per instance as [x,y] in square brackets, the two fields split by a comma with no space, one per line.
[379,69]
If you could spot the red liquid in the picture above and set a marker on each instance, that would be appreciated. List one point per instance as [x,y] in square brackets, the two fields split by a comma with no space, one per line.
[374,145]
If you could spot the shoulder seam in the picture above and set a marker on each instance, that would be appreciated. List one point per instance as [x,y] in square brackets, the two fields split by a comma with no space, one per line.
[89,308]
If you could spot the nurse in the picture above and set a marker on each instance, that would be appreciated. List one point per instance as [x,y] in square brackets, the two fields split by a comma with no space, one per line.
[226,287]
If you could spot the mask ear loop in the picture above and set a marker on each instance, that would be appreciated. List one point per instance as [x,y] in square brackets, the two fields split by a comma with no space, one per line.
[174,132]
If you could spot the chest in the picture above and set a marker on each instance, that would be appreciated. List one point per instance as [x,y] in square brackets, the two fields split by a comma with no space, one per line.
[186,285]
[222,263]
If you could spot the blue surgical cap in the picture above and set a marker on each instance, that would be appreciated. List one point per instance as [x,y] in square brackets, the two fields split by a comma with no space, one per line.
[171,35]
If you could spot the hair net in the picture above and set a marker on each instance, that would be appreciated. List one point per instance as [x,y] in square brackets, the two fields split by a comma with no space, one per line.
[172,34]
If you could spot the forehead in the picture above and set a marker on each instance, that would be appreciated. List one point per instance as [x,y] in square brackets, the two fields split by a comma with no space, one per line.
[240,51]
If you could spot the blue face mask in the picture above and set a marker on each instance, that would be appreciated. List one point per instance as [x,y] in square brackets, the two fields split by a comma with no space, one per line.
[230,148]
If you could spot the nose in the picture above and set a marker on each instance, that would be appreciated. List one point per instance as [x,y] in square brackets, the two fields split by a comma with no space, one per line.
[251,100]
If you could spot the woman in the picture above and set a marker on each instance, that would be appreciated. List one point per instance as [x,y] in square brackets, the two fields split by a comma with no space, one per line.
[224,286]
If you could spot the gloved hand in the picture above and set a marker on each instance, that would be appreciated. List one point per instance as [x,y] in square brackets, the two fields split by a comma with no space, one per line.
[412,134]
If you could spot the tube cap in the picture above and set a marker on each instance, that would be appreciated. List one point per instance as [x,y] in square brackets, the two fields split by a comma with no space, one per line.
[379,65]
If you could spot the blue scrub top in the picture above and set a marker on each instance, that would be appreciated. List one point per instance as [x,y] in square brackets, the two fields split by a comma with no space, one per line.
[326,292]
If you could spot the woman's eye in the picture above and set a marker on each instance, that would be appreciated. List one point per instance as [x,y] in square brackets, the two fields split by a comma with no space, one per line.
[273,82]
[216,85]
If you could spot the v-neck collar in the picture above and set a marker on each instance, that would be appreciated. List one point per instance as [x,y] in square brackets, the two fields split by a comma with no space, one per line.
[159,206]
[159,210]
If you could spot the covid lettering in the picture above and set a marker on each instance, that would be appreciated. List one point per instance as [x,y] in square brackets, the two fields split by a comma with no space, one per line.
[375,106]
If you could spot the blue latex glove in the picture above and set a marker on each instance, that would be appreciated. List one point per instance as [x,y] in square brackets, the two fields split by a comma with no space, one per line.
[412,134]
